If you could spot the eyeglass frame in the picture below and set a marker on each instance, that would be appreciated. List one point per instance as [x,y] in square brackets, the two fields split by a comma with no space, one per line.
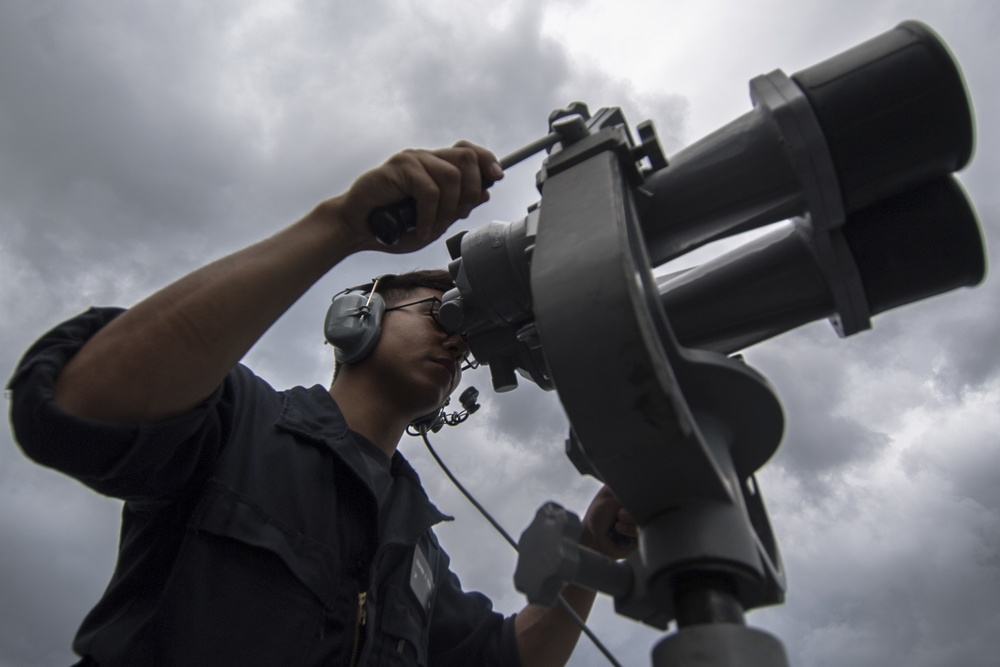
[467,362]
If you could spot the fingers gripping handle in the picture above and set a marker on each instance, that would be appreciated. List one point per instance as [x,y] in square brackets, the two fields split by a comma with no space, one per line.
[389,223]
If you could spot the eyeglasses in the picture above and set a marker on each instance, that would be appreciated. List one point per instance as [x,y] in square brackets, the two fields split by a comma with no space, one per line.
[433,311]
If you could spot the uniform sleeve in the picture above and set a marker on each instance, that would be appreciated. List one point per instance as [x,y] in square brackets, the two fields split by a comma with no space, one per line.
[466,631]
[142,462]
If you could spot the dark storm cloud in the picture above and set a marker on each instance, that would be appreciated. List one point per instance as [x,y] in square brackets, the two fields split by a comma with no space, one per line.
[504,75]
[811,377]
[110,118]
[880,569]
[139,141]
[510,77]
[527,415]
[970,331]
[118,146]
[55,567]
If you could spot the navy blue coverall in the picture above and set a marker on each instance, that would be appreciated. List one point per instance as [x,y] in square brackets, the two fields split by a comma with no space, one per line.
[257,529]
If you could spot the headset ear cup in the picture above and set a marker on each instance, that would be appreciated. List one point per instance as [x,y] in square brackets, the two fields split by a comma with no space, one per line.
[353,324]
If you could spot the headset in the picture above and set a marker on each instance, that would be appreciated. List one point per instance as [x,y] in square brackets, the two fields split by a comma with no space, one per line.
[353,326]
[354,321]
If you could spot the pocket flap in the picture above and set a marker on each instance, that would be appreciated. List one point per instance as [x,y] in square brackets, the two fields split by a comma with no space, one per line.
[402,617]
[225,513]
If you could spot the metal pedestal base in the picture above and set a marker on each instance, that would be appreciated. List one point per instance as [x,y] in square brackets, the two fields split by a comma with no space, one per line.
[715,644]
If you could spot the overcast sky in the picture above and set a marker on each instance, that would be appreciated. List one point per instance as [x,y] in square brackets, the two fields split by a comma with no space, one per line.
[139,140]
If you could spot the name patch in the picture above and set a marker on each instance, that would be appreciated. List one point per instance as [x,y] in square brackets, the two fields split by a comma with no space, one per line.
[421,579]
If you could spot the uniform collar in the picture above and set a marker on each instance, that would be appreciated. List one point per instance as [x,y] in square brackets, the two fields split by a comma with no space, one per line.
[312,415]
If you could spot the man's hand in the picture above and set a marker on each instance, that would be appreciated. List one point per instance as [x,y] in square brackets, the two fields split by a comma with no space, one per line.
[604,515]
[446,183]
[546,637]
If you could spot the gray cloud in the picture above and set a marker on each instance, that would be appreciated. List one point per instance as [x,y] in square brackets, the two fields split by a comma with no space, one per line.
[812,379]
[58,564]
[970,327]
[138,142]
[882,568]
[134,130]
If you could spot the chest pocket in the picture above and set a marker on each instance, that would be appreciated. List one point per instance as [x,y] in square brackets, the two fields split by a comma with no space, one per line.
[225,514]
[249,590]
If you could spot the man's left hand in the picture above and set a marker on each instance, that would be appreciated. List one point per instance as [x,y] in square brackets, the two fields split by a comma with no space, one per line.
[604,515]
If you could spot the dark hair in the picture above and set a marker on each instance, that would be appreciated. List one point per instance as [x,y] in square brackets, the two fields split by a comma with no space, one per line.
[396,287]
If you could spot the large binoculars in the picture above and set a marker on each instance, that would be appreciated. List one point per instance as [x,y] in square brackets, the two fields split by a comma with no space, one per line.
[857,151]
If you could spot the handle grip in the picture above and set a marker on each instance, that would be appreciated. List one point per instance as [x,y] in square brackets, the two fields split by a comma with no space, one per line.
[388,223]
[619,539]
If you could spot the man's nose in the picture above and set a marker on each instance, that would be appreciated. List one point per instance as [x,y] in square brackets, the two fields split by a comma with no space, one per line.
[457,346]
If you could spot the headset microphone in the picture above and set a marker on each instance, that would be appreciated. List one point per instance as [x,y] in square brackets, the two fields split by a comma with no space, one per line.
[468,400]
[438,419]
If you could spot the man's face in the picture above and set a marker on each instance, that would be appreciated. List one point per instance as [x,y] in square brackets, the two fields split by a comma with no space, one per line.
[417,356]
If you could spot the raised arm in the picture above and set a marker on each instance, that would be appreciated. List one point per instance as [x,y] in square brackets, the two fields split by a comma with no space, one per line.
[170,351]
